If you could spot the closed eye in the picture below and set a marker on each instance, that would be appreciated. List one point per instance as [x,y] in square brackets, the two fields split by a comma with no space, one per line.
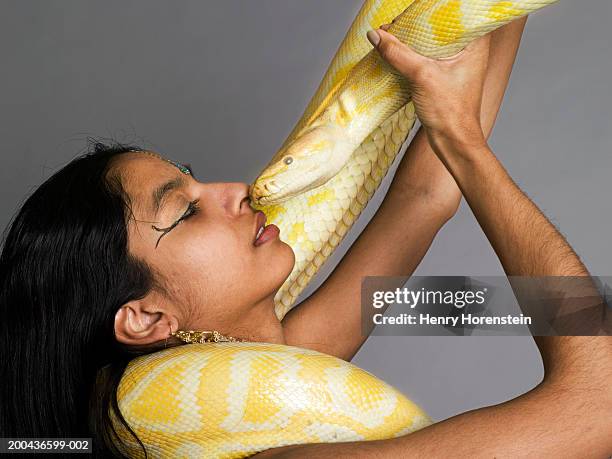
[192,208]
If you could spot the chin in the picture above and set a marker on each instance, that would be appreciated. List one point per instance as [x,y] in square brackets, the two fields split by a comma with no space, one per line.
[275,262]
[283,261]
[290,256]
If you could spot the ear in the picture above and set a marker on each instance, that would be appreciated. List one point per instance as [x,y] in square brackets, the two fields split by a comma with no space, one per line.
[139,322]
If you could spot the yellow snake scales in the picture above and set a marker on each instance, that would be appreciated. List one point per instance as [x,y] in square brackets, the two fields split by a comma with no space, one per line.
[236,399]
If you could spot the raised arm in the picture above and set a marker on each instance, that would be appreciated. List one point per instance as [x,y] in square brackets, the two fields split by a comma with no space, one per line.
[568,414]
[421,198]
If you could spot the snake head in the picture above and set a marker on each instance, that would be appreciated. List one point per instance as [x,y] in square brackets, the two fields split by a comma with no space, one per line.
[309,161]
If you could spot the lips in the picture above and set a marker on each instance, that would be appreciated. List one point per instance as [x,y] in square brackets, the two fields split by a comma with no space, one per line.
[263,232]
[260,223]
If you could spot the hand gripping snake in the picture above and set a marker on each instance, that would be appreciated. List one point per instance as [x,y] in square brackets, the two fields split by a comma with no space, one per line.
[236,399]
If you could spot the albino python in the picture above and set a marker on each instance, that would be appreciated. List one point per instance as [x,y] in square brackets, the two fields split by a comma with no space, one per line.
[236,399]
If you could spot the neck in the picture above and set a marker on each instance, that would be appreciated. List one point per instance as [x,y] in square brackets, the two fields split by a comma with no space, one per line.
[262,324]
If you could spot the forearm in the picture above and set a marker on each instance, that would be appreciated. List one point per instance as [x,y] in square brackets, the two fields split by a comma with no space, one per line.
[421,175]
[393,244]
[422,197]
[526,243]
[549,421]
[423,194]
[420,172]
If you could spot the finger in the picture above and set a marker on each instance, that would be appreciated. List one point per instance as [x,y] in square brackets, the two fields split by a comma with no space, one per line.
[385,27]
[400,56]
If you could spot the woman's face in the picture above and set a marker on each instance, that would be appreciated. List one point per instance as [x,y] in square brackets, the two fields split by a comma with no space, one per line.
[200,239]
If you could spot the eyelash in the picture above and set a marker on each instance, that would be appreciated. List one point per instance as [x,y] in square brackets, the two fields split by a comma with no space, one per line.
[192,209]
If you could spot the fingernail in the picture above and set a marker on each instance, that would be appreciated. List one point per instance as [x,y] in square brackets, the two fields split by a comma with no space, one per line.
[373,37]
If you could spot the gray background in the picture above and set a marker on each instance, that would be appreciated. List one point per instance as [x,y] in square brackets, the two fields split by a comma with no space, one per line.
[220,84]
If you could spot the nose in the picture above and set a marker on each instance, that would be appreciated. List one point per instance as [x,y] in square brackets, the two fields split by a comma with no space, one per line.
[230,198]
[238,200]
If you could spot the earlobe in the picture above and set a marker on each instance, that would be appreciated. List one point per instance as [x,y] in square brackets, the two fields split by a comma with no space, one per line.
[137,325]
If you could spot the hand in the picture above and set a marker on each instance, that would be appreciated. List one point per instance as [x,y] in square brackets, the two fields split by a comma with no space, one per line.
[447,93]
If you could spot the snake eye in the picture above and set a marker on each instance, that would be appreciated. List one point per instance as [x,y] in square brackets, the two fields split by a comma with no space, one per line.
[288,160]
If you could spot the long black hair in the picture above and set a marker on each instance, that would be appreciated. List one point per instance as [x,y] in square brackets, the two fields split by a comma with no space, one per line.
[65,270]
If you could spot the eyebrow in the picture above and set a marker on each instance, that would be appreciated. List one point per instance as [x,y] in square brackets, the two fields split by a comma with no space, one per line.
[162,191]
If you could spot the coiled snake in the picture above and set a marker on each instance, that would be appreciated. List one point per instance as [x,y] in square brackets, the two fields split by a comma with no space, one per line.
[236,399]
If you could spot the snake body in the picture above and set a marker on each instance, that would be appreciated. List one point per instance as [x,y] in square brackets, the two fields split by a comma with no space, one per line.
[356,124]
[236,399]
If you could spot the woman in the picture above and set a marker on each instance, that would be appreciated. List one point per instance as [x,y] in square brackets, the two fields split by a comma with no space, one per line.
[121,249]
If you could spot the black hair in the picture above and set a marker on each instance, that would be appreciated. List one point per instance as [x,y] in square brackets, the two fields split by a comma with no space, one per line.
[65,270]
